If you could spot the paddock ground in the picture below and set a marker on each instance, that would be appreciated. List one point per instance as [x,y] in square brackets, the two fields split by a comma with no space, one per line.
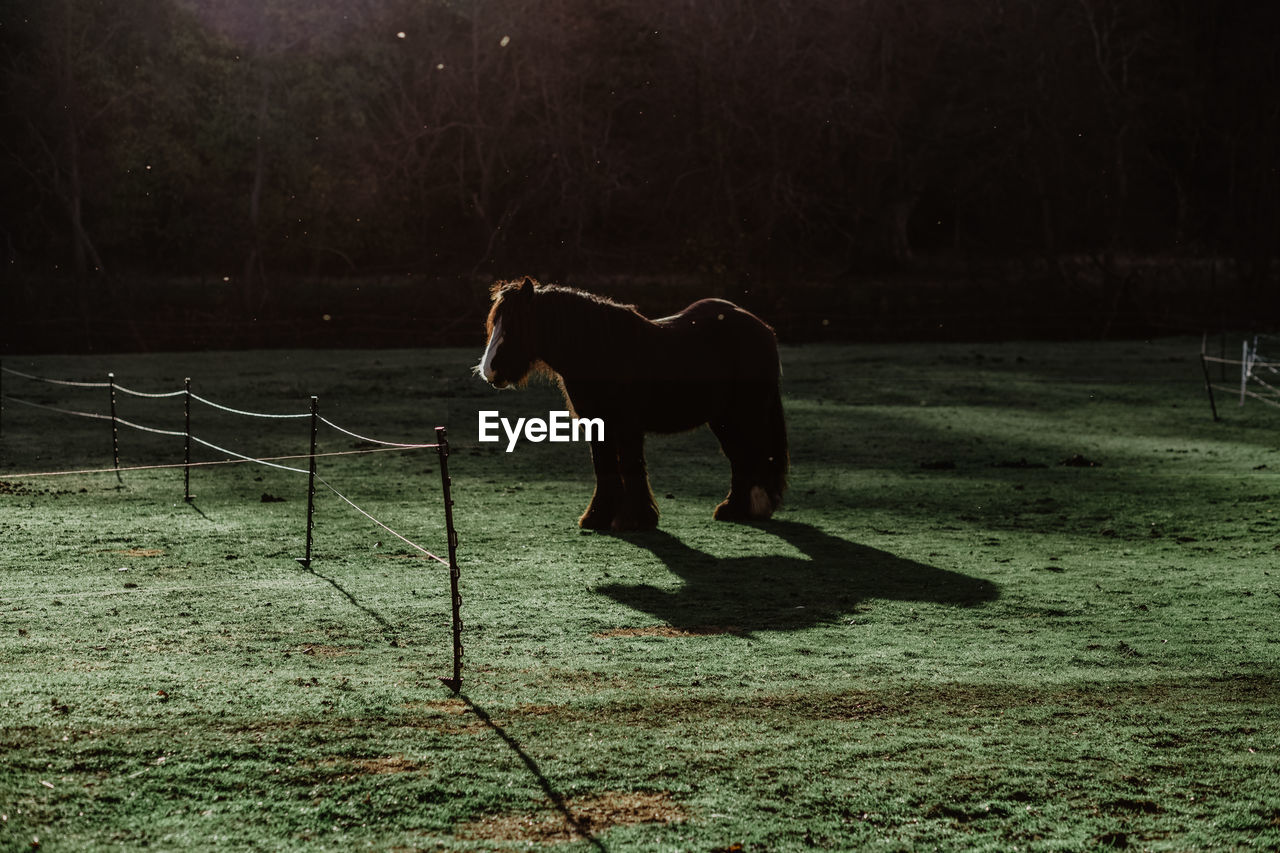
[1022,595]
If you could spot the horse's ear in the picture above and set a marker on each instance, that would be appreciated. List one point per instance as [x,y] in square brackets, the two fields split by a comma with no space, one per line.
[526,287]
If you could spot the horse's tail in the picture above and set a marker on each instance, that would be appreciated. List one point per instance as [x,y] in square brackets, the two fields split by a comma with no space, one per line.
[778,460]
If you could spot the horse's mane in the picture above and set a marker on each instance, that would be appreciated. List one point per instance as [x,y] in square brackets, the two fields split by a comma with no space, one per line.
[500,288]
[568,313]
[571,306]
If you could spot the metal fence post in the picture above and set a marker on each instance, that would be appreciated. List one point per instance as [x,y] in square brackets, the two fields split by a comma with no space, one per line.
[311,480]
[186,438]
[1208,383]
[1245,367]
[455,596]
[115,428]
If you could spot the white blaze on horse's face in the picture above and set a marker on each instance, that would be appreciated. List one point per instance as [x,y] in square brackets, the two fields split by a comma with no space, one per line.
[491,352]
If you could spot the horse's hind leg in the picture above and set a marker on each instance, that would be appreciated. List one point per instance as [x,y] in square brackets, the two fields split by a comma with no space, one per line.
[606,499]
[753,490]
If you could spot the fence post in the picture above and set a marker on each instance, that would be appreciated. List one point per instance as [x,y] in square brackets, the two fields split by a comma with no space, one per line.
[311,480]
[115,428]
[1244,368]
[455,597]
[186,452]
[1208,385]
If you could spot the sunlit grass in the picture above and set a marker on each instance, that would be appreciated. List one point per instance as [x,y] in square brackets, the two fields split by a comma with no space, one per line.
[948,637]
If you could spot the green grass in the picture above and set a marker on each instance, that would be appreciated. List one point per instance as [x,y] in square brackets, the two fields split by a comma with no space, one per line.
[947,638]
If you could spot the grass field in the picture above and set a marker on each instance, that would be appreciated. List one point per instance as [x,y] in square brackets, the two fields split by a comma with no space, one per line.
[948,638]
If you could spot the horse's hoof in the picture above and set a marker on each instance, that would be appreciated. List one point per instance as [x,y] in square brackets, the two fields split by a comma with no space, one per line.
[625,523]
[758,506]
[593,520]
[636,518]
[727,511]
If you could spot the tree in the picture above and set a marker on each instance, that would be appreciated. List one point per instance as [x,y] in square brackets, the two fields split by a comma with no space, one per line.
[63,89]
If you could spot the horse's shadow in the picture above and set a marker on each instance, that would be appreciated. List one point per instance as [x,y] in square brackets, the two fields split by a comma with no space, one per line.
[745,594]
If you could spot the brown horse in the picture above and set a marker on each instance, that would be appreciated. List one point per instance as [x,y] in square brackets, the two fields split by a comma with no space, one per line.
[713,363]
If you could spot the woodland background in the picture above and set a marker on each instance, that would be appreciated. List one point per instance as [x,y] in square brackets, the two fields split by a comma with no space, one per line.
[226,172]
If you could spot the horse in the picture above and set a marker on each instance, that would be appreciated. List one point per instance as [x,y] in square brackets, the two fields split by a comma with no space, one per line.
[713,363]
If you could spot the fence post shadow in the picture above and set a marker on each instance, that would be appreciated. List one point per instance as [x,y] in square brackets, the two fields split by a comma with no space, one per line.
[387,627]
[557,799]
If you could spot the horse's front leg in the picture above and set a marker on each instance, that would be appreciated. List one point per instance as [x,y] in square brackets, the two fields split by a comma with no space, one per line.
[638,510]
[607,497]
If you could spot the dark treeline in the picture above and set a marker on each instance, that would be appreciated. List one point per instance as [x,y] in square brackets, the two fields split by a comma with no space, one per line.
[260,138]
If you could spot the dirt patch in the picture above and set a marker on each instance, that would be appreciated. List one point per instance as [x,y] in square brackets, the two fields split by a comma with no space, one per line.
[347,769]
[580,818]
[1079,461]
[451,716]
[439,706]
[140,552]
[319,651]
[385,764]
[672,631]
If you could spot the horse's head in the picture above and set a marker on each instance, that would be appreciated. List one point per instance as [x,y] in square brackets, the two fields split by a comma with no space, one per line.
[509,355]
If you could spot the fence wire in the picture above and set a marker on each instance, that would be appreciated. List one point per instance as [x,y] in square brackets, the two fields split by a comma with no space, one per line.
[64,382]
[235,457]
[441,446]
[1251,365]
[197,398]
